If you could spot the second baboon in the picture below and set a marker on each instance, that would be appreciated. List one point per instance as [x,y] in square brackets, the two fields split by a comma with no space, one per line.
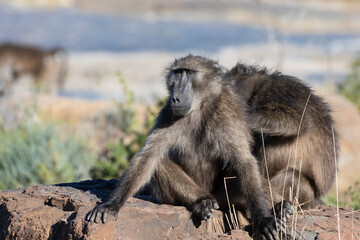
[200,137]
[293,134]
[47,67]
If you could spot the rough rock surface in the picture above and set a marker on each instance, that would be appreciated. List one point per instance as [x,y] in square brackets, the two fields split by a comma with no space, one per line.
[57,212]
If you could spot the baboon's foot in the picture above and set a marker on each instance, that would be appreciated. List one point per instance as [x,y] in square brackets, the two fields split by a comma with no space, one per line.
[204,207]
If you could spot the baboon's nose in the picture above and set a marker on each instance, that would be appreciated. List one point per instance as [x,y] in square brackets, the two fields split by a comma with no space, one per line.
[175,100]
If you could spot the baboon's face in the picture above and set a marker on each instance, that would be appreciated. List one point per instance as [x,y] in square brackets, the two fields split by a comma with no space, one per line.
[182,93]
[190,81]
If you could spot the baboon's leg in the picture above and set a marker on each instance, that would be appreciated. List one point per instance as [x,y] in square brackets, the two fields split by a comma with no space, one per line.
[6,76]
[277,119]
[286,186]
[45,77]
[172,185]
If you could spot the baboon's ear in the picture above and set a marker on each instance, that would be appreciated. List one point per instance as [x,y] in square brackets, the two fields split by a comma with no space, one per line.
[222,68]
[243,68]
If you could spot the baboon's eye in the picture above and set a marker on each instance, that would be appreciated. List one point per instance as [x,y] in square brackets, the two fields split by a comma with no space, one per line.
[191,71]
[177,71]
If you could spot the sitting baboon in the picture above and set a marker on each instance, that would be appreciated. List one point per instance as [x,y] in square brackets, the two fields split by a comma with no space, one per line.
[200,137]
[297,142]
[46,67]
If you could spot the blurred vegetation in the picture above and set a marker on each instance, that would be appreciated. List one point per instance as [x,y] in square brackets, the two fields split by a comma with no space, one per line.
[41,154]
[117,156]
[35,152]
[350,88]
[351,198]
[353,193]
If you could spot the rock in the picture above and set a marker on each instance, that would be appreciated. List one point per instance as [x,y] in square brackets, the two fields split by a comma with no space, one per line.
[58,212]
[323,223]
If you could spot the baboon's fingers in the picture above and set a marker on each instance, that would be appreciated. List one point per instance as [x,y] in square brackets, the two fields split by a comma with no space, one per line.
[215,204]
[100,212]
[104,217]
[281,225]
[204,207]
[284,209]
[98,216]
[93,215]
[207,210]
[269,234]
[207,214]
[88,216]
[267,228]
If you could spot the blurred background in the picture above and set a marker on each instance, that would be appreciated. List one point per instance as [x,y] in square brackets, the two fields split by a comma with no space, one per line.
[81,81]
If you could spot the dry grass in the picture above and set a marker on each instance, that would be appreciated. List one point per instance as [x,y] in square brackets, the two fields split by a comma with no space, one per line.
[233,222]
[337,184]
[70,111]
[296,205]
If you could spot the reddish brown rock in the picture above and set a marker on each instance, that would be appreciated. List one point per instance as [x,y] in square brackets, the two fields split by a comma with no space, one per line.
[58,212]
[323,221]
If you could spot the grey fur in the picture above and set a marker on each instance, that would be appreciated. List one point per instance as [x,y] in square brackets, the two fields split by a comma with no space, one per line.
[185,158]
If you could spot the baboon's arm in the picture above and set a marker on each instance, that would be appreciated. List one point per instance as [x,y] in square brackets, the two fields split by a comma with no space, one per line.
[277,119]
[250,182]
[137,175]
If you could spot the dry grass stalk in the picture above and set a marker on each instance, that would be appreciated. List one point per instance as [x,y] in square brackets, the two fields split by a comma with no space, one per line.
[352,218]
[337,184]
[268,177]
[233,216]
[294,220]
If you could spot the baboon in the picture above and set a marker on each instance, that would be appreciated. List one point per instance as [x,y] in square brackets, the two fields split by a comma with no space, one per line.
[293,133]
[47,67]
[200,137]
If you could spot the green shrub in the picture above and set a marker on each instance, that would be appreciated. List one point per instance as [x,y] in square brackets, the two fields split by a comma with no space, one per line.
[350,88]
[353,193]
[116,156]
[351,198]
[34,154]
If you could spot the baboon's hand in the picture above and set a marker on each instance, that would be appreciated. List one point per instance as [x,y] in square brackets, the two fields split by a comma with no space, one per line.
[284,209]
[204,207]
[102,212]
[265,229]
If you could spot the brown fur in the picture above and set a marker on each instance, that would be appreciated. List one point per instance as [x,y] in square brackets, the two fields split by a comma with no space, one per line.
[185,158]
[46,67]
[276,105]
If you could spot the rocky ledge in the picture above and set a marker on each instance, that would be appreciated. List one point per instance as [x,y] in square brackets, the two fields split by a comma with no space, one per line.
[58,212]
